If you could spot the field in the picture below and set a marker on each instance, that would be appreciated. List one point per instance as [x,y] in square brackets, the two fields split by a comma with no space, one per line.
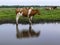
[7,15]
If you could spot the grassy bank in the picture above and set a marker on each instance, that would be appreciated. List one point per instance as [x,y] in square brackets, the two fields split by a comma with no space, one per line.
[7,15]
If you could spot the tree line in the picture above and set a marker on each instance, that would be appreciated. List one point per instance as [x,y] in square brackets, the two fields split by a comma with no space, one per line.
[16,6]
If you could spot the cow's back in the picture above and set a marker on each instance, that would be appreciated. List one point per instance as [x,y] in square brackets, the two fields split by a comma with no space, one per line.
[25,11]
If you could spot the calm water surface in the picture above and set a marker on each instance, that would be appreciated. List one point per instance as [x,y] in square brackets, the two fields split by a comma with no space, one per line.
[37,34]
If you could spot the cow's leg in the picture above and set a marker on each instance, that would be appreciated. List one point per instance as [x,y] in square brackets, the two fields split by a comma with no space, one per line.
[30,20]
[17,17]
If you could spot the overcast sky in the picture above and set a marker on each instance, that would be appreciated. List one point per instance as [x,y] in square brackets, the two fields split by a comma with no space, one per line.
[30,2]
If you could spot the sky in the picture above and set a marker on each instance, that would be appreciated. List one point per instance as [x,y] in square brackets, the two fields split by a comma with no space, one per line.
[31,2]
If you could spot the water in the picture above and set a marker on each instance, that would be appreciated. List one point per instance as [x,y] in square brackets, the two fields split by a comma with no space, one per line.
[37,34]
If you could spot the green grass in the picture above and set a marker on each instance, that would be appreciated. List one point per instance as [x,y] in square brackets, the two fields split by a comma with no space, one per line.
[8,15]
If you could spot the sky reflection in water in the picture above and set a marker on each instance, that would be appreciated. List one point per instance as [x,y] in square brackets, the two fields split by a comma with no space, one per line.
[48,34]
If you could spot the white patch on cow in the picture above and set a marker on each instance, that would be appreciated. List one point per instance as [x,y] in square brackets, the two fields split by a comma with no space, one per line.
[29,11]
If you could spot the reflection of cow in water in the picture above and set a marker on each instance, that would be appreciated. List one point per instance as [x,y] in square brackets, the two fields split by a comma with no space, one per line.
[26,33]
